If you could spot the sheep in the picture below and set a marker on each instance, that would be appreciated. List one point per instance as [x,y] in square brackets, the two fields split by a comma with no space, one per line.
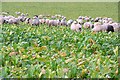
[69,22]
[87,19]
[63,22]
[35,21]
[27,20]
[105,21]
[80,21]
[53,23]
[76,26]
[13,20]
[116,26]
[109,19]
[80,17]
[110,22]
[42,21]
[88,25]
[48,16]
[92,19]
[58,22]
[97,27]
[22,18]
[102,27]
[17,13]
[40,16]
[58,15]
[47,21]
[6,18]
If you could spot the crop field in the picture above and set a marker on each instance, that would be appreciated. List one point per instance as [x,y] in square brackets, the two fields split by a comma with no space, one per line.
[58,52]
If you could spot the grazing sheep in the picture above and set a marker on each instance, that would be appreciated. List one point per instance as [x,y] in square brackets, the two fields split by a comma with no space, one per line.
[58,22]
[80,21]
[96,20]
[100,20]
[69,22]
[40,16]
[17,13]
[22,18]
[80,17]
[87,19]
[42,21]
[27,20]
[110,22]
[76,26]
[105,21]
[13,21]
[63,22]
[22,14]
[109,19]
[92,19]
[35,21]
[53,23]
[47,21]
[6,18]
[87,25]
[116,26]
[97,27]
[102,27]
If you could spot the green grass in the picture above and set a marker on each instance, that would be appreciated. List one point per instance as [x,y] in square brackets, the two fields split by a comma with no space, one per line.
[68,9]
[46,52]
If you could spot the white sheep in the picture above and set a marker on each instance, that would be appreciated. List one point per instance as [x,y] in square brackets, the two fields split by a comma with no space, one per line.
[17,13]
[22,18]
[87,25]
[69,22]
[42,21]
[80,21]
[27,20]
[63,22]
[47,21]
[13,20]
[116,26]
[35,21]
[102,27]
[97,27]
[53,23]
[40,16]
[76,26]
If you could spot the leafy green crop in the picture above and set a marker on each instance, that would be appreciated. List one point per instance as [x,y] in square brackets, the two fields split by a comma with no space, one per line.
[57,52]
